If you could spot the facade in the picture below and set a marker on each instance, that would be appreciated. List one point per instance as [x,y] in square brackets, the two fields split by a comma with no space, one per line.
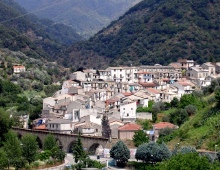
[162,125]
[128,112]
[18,69]
[210,67]
[185,64]
[60,125]
[126,132]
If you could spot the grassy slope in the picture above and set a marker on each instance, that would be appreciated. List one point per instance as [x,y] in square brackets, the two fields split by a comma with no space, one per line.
[201,131]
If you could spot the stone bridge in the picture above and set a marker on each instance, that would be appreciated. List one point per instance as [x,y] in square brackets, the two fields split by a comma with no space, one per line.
[66,141]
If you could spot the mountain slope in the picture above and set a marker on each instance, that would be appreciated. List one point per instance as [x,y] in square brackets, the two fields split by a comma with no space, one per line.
[158,31]
[36,38]
[86,16]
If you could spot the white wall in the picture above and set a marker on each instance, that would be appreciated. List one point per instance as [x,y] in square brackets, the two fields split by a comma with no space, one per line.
[128,110]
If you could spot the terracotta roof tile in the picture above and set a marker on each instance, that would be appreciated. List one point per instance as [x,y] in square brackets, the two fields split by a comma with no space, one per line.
[153,90]
[148,84]
[184,83]
[130,127]
[127,94]
[163,125]
[40,127]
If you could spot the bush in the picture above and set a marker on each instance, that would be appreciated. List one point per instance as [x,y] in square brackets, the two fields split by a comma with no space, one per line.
[50,162]
[45,155]
[191,109]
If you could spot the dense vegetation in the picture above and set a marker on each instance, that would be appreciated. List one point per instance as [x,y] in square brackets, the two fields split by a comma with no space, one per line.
[24,153]
[36,38]
[86,17]
[198,118]
[22,94]
[158,31]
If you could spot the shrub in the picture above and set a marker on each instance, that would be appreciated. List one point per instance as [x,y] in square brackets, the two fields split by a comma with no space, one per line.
[45,155]
[50,162]
[191,109]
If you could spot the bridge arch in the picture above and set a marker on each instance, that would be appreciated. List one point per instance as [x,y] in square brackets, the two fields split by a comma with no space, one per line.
[95,149]
[19,135]
[59,143]
[65,140]
[39,142]
[70,147]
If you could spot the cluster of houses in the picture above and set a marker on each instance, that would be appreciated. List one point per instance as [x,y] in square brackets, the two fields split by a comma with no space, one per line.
[115,93]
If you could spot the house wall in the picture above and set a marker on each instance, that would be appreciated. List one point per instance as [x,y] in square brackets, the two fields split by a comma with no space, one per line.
[59,127]
[85,112]
[126,135]
[48,100]
[78,76]
[118,74]
[144,115]
[180,90]
[128,111]
[143,78]
[114,129]
[211,69]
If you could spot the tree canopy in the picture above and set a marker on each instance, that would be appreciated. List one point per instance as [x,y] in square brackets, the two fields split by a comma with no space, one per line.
[140,137]
[120,152]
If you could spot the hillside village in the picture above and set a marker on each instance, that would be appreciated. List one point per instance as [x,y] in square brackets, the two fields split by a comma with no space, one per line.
[90,97]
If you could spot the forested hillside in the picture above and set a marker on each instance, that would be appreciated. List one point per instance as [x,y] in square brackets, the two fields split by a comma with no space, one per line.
[86,16]
[155,31]
[36,38]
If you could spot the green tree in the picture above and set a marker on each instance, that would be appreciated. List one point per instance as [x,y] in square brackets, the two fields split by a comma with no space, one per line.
[186,149]
[3,159]
[217,96]
[120,152]
[78,153]
[191,109]
[29,147]
[152,152]
[12,148]
[186,161]
[140,137]
[49,142]
[174,102]
[58,154]
[186,100]
[5,124]
[145,124]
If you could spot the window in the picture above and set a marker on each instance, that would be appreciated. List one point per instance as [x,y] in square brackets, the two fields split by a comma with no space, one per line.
[123,108]
[127,114]
[120,69]
[53,125]
[56,126]
[96,130]
[131,108]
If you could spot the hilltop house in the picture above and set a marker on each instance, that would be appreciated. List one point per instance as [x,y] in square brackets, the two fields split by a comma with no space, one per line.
[18,69]
[159,126]
[127,131]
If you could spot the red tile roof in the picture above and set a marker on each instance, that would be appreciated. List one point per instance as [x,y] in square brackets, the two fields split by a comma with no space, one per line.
[40,127]
[127,94]
[184,83]
[153,90]
[148,84]
[130,127]
[18,66]
[163,125]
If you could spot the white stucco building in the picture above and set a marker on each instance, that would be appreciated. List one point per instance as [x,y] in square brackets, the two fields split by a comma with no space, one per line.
[128,112]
